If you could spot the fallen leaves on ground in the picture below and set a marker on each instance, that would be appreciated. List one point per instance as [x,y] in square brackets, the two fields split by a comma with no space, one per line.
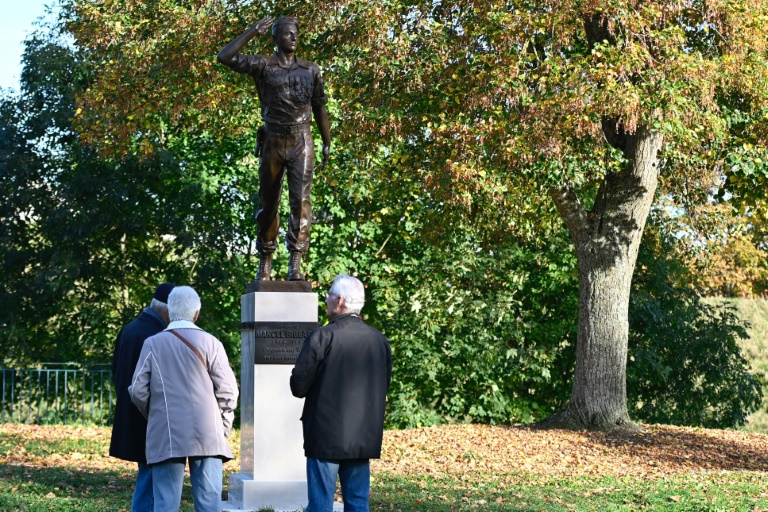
[461,450]
[92,451]
[656,452]
[14,450]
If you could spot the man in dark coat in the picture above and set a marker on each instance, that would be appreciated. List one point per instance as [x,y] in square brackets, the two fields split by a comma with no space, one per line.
[344,371]
[129,429]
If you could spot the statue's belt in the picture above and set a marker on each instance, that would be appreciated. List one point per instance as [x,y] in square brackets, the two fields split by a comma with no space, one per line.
[282,129]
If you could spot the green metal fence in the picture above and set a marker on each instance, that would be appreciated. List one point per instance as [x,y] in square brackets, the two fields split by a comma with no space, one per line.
[47,396]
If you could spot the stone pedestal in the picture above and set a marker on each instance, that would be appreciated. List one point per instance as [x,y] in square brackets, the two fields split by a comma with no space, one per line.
[272,464]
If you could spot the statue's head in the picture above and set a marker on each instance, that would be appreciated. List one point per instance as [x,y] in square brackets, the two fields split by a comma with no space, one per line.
[277,26]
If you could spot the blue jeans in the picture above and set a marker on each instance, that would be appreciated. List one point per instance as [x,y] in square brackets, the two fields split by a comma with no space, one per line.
[168,479]
[355,476]
[143,498]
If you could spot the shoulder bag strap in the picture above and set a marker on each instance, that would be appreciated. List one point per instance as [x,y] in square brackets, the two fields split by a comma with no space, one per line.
[191,347]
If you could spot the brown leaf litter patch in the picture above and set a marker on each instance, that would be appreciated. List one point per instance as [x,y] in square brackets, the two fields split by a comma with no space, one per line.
[657,451]
[459,450]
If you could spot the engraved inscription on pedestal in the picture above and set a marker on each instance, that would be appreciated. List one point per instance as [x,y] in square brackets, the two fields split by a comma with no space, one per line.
[278,342]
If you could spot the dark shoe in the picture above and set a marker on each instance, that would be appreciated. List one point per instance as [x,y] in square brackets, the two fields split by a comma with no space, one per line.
[265,267]
[294,267]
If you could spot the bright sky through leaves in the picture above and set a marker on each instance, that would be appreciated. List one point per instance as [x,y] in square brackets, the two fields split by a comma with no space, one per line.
[16,23]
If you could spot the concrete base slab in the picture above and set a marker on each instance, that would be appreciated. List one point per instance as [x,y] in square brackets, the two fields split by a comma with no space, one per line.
[264,494]
[227,507]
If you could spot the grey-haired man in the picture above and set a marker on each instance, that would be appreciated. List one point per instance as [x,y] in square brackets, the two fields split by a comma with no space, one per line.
[344,371]
[184,386]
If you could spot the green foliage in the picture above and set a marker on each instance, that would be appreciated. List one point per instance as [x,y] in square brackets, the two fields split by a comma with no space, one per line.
[746,164]
[473,343]
[482,323]
[686,366]
[86,239]
[754,312]
[126,161]
[481,329]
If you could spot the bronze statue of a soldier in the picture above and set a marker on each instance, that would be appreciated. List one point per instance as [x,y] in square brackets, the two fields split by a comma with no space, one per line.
[290,91]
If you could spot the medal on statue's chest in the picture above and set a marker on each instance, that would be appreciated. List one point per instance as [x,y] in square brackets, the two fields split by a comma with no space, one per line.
[301,88]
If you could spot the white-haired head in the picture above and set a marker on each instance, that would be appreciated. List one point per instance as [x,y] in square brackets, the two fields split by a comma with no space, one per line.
[161,308]
[352,290]
[183,304]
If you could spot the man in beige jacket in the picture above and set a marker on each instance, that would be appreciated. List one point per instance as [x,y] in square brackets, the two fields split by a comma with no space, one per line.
[184,386]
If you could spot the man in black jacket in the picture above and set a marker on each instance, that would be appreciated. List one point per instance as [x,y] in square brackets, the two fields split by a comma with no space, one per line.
[129,428]
[344,371]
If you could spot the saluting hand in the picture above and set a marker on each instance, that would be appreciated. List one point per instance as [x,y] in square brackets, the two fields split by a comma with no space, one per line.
[262,26]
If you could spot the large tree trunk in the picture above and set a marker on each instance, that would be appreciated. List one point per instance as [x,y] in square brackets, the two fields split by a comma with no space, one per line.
[607,240]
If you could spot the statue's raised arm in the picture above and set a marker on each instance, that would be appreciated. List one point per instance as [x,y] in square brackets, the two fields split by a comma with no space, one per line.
[228,53]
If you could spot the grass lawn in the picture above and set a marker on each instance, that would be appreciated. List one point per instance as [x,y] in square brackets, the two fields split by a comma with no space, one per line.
[754,311]
[457,467]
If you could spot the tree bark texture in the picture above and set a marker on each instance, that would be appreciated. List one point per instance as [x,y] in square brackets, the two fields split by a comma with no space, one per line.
[607,241]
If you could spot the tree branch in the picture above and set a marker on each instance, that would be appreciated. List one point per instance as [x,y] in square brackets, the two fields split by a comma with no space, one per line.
[570,209]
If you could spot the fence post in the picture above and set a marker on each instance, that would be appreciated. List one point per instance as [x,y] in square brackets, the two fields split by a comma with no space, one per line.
[39,393]
[58,409]
[13,391]
[2,411]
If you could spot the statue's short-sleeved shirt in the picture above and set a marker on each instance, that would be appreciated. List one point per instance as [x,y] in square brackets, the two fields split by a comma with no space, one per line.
[286,93]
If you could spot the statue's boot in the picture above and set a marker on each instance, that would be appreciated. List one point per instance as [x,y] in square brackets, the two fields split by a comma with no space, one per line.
[265,267]
[294,267]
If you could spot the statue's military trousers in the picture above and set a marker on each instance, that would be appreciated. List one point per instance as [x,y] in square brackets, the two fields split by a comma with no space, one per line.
[286,150]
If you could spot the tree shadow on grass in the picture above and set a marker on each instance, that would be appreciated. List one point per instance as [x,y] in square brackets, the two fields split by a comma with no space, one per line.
[30,488]
[692,450]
